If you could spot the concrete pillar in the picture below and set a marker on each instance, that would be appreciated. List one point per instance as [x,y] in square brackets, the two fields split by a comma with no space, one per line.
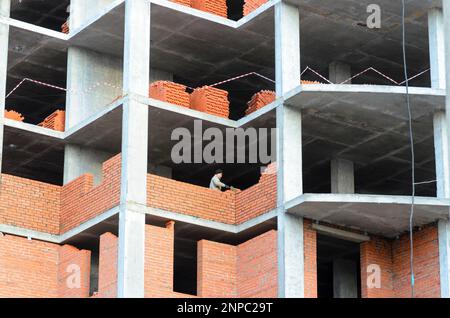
[289,152]
[80,160]
[93,81]
[342,176]
[436,48]
[439,30]
[345,279]
[339,72]
[4,39]
[134,150]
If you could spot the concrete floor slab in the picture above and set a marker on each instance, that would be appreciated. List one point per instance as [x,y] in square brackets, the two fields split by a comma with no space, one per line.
[376,214]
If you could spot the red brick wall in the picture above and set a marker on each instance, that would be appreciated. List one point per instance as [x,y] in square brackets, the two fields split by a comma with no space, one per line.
[29,204]
[73,262]
[28,268]
[377,251]
[426,264]
[393,257]
[216,270]
[81,201]
[56,121]
[257,270]
[310,259]
[107,269]
[252,5]
[11,114]
[218,7]
[183,2]
[259,199]
[185,198]
[259,100]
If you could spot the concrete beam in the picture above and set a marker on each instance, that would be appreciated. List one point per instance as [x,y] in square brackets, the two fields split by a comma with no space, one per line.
[289,152]
[83,10]
[342,176]
[133,189]
[339,72]
[4,39]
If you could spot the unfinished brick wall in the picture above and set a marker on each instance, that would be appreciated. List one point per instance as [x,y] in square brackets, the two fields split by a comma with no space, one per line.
[170,92]
[37,269]
[252,5]
[183,2]
[218,7]
[310,259]
[216,270]
[29,204]
[81,201]
[11,114]
[257,267]
[259,100]
[73,262]
[211,100]
[393,258]
[426,264]
[107,266]
[65,27]
[258,199]
[185,198]
[56,121]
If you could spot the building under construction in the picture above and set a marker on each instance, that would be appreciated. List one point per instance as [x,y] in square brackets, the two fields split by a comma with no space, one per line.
[92,203]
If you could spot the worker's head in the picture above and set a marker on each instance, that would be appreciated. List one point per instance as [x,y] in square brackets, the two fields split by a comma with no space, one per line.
[219,173]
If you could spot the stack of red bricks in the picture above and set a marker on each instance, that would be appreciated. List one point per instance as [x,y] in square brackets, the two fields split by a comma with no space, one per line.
[11,114]
[211,100]
[56,121]
[259,100]
[252,5]
[218,7]
[170,92]
[183,2]
[65,27]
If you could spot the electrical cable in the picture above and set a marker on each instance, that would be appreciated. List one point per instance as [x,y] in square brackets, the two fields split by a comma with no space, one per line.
[411,138]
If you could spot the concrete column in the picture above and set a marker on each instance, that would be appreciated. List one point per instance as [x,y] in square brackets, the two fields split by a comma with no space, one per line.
[339,72]
[439,30]
[134,150]
[342,176]
[436,47]
[289,152]
[345,279]
[4,38]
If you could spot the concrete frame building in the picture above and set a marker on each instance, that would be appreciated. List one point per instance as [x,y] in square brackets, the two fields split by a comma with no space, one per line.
[92,204]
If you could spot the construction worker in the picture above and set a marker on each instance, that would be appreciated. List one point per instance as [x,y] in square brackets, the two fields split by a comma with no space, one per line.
[215,183]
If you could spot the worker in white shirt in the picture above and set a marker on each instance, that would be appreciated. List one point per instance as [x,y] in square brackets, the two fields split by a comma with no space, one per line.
[215,183]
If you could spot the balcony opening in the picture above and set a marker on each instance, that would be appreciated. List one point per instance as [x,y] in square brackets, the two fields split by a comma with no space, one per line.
[338,268]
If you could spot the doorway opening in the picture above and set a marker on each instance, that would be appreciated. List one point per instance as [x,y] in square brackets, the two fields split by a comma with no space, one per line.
[338,268]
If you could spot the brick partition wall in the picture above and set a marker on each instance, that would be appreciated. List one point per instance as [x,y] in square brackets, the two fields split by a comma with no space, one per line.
[257,270]
[55,121]
[258,199]
[216,270]
[218,7]
[185,198]
[73,262]
[29,204]
[252,5]
[211,100]
[310,259]
[81,201]
[183,2]
[30,268]
[107,266]
[393,258]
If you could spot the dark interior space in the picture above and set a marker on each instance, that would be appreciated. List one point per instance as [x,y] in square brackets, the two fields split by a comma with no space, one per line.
[50,14]
[235,9]
[185,265]
[338,268]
